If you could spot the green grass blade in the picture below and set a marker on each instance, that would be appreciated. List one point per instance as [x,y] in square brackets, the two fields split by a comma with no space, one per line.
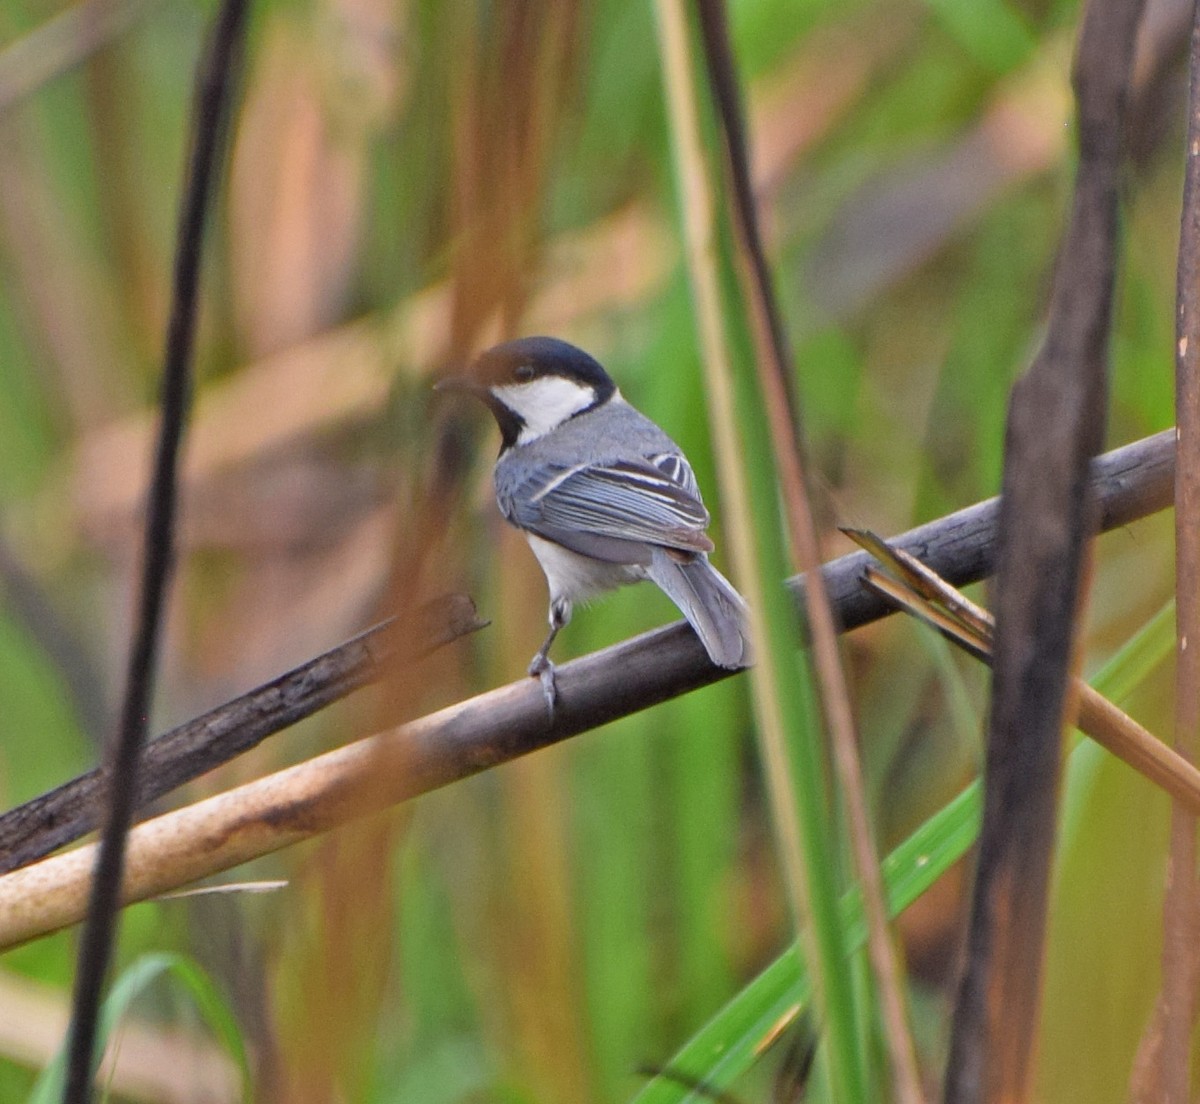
[788,731]
[1138,656]
[733,1040]
[134,981]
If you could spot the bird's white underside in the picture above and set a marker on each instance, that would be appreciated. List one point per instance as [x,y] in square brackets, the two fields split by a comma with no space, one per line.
[575,578]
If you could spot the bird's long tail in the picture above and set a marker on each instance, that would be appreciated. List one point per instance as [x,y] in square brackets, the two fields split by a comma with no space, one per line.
[707,599]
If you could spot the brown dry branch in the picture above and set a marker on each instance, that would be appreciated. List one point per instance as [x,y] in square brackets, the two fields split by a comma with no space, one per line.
[1116,731]
[1055,426]
[322,793]
[1162,1066]
[923,594]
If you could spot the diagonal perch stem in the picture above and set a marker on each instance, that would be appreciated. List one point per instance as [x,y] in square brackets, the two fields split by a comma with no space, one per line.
[1131,482]
[322,793]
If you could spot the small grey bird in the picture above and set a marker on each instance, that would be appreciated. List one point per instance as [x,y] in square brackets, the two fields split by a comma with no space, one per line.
[603,495]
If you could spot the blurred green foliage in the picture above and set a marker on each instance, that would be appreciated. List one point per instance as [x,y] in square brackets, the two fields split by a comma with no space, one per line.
[543,932]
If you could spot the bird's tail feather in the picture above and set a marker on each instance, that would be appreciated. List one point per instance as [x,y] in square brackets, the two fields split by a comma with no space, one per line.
[712,607]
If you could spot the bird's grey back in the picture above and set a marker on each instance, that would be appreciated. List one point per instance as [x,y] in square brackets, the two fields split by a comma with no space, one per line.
[579,486]
[612,432]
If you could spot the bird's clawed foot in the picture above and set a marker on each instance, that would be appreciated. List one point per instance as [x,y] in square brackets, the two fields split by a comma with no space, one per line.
[543,669]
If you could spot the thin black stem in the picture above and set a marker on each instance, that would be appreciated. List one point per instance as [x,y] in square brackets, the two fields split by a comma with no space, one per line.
[215,79]
[726,90]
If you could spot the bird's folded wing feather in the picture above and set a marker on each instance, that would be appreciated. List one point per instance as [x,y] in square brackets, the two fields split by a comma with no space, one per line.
[588,507]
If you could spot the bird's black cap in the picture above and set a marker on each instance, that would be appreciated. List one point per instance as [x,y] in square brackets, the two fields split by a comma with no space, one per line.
[527,358]
[523,361]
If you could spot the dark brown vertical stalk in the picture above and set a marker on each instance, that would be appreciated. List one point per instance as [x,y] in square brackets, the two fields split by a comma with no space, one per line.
[215,79]
[1181,952]
[1055,426]
[1161,1071]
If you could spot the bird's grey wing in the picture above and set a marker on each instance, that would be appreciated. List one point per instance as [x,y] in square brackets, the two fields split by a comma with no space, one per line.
[614,512]
[675,467]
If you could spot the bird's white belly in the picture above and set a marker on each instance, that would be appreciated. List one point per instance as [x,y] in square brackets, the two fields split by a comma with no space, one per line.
[577,578]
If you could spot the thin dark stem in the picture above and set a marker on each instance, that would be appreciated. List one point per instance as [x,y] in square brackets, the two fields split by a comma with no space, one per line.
[215,80]
[722,72]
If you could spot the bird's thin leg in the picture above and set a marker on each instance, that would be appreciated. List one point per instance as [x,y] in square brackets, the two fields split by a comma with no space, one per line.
[541,667]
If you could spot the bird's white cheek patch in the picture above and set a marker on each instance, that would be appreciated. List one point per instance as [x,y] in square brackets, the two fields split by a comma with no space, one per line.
[544,404]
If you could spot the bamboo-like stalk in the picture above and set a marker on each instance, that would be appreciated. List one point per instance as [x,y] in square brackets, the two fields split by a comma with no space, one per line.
[244,823]
[774,362]
[803,839]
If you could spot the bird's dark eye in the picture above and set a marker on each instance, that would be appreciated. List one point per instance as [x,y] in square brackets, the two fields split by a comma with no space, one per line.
[524,372]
